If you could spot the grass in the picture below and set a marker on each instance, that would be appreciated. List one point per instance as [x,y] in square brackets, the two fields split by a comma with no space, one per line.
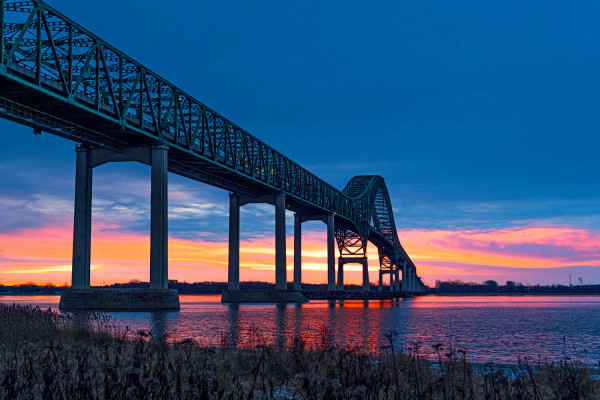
[46,355]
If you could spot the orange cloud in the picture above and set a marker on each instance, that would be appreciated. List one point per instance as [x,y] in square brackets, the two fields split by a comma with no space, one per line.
[44,254]
[531,246]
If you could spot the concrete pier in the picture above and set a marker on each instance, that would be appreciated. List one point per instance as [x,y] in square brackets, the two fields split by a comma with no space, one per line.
[280,260]
[397,287]
[119,299]
[159,279]
[365,275]
[340,274]
[330,253]
[80,296]
[363,261]
[233,271]
[233,294]
[297,251]
[82,226]
[404,278]
[380,287]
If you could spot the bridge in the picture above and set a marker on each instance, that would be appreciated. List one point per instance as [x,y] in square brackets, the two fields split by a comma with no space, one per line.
[58,77]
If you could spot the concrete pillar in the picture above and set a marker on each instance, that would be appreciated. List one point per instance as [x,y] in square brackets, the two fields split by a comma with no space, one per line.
[391,280]
[82,227]
[413,280]
[340,277]
[158,219]
[404,277]
[397,280]
[233,272]
[365,274]
[280,262]
[297,251]
[330,253]
[380,287]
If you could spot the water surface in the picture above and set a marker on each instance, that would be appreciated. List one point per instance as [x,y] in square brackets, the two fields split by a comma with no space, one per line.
[491,328]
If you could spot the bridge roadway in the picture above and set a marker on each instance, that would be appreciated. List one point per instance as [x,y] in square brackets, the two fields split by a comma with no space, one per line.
[58,77]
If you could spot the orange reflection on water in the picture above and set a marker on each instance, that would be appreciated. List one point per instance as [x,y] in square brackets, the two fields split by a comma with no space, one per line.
[492,328]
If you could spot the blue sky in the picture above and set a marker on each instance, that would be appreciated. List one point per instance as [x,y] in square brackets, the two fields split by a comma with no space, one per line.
[482,117]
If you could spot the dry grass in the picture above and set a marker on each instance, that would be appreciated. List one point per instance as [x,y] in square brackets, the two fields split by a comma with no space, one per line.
[45,355]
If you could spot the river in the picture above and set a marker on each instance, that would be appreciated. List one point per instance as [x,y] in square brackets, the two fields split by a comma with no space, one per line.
[491,328]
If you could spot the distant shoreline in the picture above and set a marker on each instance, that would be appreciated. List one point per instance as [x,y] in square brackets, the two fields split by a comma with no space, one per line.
[513,294]
[350,295]
[319,291]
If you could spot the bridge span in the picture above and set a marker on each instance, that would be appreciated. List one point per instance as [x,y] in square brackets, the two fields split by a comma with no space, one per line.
[58,77]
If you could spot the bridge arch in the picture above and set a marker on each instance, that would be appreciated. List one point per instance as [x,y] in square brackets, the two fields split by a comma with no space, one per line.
[373,220]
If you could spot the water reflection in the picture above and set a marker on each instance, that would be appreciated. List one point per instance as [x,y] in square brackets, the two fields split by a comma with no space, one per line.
[492,328]
[234,323]
[159,325]
[280,320]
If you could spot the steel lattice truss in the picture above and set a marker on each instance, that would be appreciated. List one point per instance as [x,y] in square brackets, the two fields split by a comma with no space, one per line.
[58,77]
[375,223]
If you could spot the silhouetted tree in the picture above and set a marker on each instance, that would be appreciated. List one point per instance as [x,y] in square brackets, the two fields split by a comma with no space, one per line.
[491,285]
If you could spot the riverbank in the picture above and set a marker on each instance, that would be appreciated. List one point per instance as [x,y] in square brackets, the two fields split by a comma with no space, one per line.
[44,354]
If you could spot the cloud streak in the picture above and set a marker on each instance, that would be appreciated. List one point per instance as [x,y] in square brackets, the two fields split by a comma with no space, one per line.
[541,253]
[483,253]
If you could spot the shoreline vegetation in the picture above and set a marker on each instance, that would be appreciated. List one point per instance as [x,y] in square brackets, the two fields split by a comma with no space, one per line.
[314,291]
[48,355]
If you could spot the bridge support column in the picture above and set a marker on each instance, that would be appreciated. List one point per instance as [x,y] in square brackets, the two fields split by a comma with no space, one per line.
[280,261]
[380,287]
[233,294]
[233,271]
[391,280]
[340,276]
[80,296]
[365,275]
[404,278]
[397,280]
[82,227]
[159,219]
[297,251]
[409,280]
[330,253]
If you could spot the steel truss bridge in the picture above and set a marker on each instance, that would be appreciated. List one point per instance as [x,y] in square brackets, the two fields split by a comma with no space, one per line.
[58,77]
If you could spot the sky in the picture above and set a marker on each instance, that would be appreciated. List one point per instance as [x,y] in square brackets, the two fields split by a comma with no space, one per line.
[481,116]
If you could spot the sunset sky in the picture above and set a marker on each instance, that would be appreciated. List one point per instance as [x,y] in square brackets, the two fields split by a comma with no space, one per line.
[483,118]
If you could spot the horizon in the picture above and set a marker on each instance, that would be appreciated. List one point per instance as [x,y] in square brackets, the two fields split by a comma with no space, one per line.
[482,120]
[356,285]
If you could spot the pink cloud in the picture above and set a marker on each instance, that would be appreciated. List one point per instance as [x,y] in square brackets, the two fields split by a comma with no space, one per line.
[44,255]
[543,246]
